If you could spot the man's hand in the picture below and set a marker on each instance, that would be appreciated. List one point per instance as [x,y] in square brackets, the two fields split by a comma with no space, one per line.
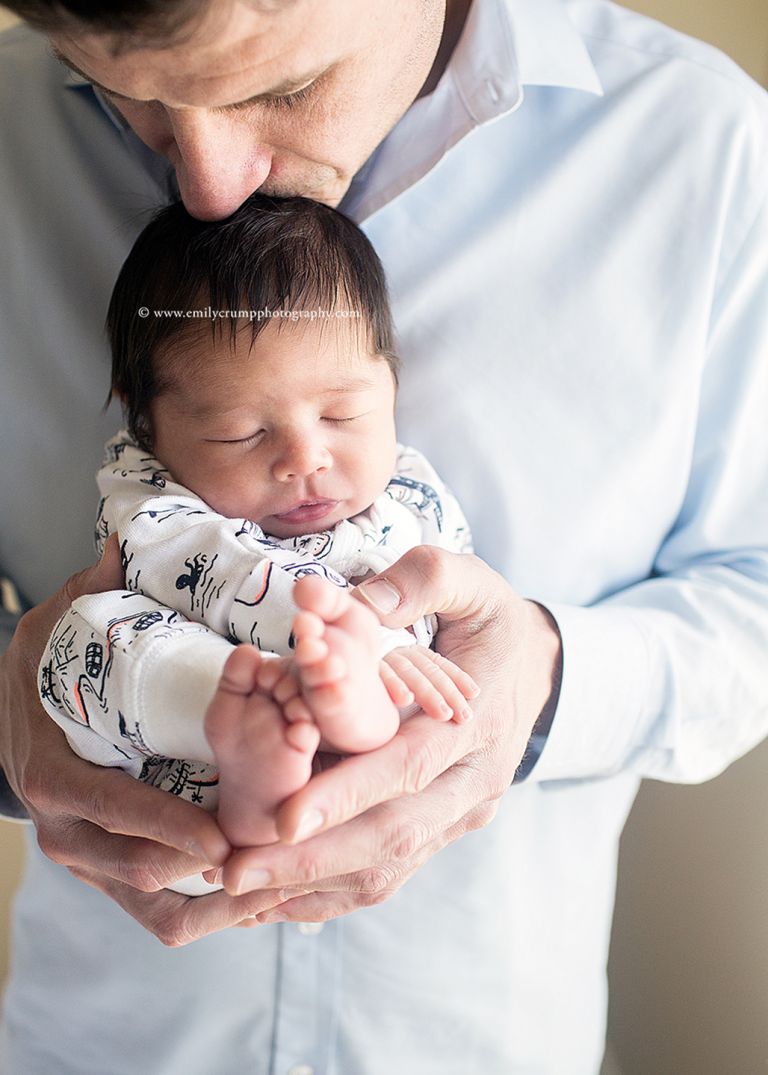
[361,828]
[124,838]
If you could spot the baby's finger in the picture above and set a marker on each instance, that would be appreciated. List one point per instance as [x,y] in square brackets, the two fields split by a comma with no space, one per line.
[433,688]
[427,693]
[399,693]
[435,667]
[466,684]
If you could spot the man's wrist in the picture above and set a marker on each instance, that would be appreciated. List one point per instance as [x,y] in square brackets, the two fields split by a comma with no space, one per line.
[543,724]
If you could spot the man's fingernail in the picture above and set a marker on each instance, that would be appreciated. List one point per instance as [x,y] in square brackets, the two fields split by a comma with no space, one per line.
[291,893]
[250,880]
[381,594]
[466,714]
[308,823]
[270,919]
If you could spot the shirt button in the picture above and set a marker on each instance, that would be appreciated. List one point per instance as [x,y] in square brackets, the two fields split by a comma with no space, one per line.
[308,929]
[301,1069]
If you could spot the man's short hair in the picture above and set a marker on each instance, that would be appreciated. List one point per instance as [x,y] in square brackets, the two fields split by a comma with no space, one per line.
[274,261]
[130,23]
[161,20]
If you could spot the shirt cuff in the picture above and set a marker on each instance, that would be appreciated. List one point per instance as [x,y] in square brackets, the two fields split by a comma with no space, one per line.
[11,607]
[603,694]
[543,725]
[10,807]
[8,621]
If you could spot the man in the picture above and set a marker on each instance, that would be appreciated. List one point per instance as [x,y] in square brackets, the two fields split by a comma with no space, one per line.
[585,316]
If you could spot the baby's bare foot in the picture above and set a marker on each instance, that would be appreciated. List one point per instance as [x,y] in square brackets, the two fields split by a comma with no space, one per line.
[337,665]
[262,758]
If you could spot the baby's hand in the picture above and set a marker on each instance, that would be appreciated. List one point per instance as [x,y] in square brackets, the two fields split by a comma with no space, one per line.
[440,687]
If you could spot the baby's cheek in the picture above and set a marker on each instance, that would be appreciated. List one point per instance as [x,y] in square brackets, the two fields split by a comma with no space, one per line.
[208,483]
[233,496]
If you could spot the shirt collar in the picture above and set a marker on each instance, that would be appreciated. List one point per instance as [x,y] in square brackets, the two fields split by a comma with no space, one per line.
[550,50]
[505,46]
[510,44]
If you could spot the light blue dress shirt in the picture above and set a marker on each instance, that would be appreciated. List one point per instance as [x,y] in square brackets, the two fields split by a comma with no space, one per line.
[575,233]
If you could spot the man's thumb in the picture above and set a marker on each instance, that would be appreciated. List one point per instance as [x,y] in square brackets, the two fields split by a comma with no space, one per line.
[107,574]
[421,582]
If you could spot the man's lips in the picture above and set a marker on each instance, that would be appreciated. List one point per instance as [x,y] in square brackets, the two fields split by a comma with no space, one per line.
[307,512]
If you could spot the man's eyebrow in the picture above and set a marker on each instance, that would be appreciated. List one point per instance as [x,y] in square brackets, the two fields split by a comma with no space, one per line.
[76,70]
[282,89]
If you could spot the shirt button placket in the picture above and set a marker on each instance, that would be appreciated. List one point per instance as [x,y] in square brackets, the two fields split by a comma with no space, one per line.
[306,997]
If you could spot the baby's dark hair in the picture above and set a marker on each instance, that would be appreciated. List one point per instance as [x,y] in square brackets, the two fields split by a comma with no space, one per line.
[285,255]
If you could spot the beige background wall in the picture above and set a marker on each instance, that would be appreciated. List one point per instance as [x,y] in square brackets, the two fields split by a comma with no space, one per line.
[738,27]
[689,956]
[11,855]
[689,960]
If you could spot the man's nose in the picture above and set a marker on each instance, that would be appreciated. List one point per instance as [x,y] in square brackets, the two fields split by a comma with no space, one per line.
[300,456]
[219,162]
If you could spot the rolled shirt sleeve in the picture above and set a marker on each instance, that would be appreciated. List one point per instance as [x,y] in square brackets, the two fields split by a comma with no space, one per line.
[669,678]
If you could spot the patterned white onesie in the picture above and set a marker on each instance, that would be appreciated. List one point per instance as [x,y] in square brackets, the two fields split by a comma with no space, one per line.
[128,674]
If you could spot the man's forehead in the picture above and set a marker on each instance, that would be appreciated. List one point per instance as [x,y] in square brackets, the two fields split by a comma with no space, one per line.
[236,51]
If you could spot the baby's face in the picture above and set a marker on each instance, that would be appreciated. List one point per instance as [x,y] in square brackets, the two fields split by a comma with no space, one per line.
[294,432]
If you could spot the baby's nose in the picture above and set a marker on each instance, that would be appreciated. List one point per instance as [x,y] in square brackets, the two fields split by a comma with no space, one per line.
[301,458]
